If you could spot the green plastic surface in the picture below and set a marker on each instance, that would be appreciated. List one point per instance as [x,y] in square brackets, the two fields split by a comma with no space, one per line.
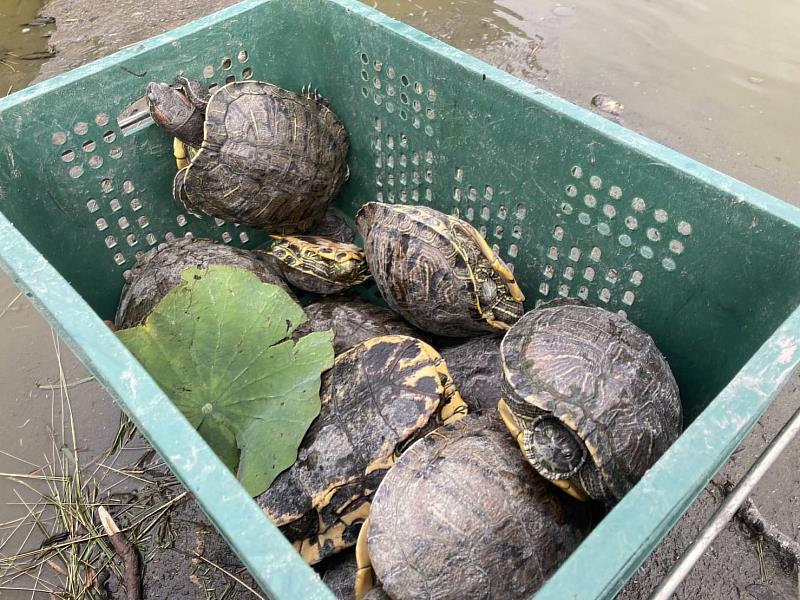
[580,206]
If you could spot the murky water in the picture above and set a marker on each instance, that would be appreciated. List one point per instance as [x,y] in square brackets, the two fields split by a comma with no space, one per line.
[718,80]
[20,44]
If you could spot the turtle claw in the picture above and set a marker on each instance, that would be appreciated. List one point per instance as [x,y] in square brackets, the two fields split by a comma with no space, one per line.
[310,92]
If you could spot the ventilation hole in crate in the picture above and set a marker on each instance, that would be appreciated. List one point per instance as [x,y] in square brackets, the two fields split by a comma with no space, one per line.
[428,130]
[81,128]
[502,212]
[376,83]
[498,232]
[470,214]
[653,234]
[181,220]
[402,160]
[115,152]
[143,222]
[638,204]
[595,182]
[429,176]
[558,233]
[390,107]
[169,236]
[517,232]
[379,197]
[379,161]
[123,223]
[416,122]
[101,224]
[429,195]
[89,146]
[544,289]
[390,180]
[575,254]
[379,179]
[418,87]
[119,258]
[111,241]
[615,192]
[415,158]
[364,92]
[577,172]
[242,56]
[75,171]
[457,194]
[390,72]
[631,222]
[364,75]
[596,254]
[584,218]
[378,127]
[668,264]
[68,155]
[403,179]
[429,157]
[676,246]
[416,105]
[403,196]
[377,65]
[218,222]
[391,90]
[604,295]
[415,196]
[403,115]
[390,161]
[391,196]
[625,240]
[136,204]
[92,205]
[96,161]
[109,136]
[569,273]
[151,239]
[563,290]
[364,58]
[612,276]
[208,71]
[583,292]
[513,250]
[114,205]
[485,213]
[496,249]
[609,211]
[637,277]
[604,229]
[59,138]
[646,252]
[571,190]
[588,274]
[131,240]
[548,271]
[566,208]
[660,215]
[430,113]
[378,99]
[628,298]
[590,201]
[684,228]
[226,63]
[390,142]
[230,79]
[415,177]
[247,73]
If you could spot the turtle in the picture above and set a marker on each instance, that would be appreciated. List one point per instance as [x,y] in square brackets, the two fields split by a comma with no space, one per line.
[378,397]
[318,265]
[589,398]
[339,574]
[353,321]
[437,271]
[159,270]
[267,158]
[334,227]
[475,368]
[462,515]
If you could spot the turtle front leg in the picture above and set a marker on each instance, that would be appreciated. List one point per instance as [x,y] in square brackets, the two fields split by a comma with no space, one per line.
[310,92]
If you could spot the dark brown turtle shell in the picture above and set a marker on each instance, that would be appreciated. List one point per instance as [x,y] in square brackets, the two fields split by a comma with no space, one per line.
[270,159]
[378,398]
[318,265]
[462,515]
[353,321]
[334,227]
[590,398]
[339,574]
[476,370]
[437,271]
[159,270]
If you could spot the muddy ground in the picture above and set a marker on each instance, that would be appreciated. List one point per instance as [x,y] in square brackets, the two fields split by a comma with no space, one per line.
[736,566]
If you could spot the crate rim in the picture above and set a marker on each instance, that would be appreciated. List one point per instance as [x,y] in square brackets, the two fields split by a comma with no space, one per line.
[595,570]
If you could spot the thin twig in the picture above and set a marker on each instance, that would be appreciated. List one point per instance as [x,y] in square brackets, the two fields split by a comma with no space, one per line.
[231,575]
[15,298]
[59,385]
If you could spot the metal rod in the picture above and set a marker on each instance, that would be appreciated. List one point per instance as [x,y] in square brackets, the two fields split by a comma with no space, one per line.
[728,508]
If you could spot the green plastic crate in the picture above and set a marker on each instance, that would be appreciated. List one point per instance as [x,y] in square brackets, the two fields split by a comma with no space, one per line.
[580,206]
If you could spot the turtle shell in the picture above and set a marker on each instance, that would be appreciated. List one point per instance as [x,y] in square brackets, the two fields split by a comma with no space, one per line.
[270,159]
[159,270]
[340,575]
[437,271]
[590,398]
[335,228]
[378,398]
[317,265]
[462,515]
[476,371]
[353,321]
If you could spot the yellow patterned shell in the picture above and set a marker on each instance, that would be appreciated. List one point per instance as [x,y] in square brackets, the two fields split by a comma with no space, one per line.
[318,265]
[437,271]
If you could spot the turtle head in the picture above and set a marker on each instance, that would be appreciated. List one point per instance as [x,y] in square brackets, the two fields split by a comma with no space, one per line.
[174,111]
[555,451]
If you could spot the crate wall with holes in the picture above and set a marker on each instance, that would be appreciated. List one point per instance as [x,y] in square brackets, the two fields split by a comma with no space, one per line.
[578,205]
